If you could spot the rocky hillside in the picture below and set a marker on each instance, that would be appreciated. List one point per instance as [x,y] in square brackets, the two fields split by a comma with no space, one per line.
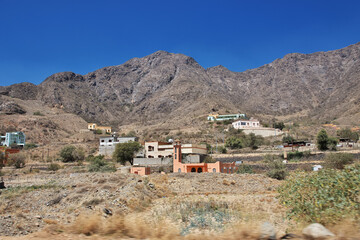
[175,90]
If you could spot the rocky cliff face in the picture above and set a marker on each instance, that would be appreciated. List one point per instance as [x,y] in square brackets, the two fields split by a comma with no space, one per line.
[174,88]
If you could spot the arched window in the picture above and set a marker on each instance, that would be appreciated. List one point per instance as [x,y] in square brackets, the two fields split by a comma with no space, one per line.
[193,169]
[199,170]
[179,170]
[214,169]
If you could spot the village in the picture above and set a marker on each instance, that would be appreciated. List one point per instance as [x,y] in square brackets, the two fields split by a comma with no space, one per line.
[175,155]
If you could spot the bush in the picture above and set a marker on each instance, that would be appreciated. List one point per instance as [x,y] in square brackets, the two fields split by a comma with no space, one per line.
[99,164]
[72,154]
[54,167]
[297,155]
[326,196]
[30,146]
[38,113]
[17,160]
[277,170]
[222,149]
[234,143]
[338,160]
[243,168]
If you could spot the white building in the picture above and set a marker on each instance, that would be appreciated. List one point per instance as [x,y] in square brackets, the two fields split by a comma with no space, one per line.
[108,143]
[246,124]
[253,126]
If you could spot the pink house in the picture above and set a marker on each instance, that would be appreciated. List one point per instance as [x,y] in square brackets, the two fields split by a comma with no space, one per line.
[180,167]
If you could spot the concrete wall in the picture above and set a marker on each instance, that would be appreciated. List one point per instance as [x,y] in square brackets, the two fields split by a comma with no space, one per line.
[107,150]
[153,161]
[265,132]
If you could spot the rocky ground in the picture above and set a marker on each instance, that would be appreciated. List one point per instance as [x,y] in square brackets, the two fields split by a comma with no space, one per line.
[73,204]
[32,202]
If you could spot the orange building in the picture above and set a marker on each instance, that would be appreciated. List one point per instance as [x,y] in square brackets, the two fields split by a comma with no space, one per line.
[180,167]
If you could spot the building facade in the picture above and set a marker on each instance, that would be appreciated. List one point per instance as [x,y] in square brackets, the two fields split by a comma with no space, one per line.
[165,149]
[199,167]
[217,117]
[11,138]
[94,127]
[246,124]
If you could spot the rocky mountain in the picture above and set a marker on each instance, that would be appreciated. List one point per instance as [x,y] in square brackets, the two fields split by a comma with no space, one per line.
[174,89]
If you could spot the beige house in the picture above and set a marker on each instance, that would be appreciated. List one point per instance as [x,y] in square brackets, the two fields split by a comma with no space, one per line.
[165,149]
[94,127]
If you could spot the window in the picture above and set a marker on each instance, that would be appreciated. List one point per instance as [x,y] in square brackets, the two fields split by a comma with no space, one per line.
[214,169]
[110,140]
[179,170]
[102,140]
[243,123]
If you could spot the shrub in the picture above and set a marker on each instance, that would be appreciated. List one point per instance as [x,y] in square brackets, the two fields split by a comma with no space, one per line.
[338,160]
[288,139]
[297,155]
[17,160]
[234,143]
[277,170]
[98,164]
[326,196]
[222,149]
[243,168]
[71,154]
[38,113]
[54,167]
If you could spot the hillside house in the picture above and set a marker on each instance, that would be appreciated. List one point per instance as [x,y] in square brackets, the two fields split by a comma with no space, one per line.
[107,144]
[243,124]
[94,127]
[217,117]
[13,138]
[165,149]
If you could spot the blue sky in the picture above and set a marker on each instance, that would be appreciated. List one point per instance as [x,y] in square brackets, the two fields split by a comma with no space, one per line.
[39,38]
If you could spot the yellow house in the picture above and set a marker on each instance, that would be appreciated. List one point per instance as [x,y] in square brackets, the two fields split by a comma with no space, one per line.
[94,126]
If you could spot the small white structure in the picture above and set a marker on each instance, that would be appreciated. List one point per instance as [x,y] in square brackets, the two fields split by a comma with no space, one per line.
[317,168]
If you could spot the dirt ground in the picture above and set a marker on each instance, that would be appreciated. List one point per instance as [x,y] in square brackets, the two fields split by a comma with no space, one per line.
[41,205]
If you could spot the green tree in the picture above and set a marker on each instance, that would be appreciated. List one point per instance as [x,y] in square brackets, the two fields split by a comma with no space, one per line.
[125,152]
[332,142]
[322,140]
[279,125]
[72,154]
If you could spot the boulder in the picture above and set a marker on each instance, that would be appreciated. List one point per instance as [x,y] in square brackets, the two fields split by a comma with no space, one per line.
[316,231]
[267,231]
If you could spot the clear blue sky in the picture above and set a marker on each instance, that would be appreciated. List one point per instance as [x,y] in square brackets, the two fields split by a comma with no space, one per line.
[39,38]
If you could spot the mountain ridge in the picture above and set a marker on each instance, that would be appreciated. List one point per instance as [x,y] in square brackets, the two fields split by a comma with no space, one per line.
[174,88]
